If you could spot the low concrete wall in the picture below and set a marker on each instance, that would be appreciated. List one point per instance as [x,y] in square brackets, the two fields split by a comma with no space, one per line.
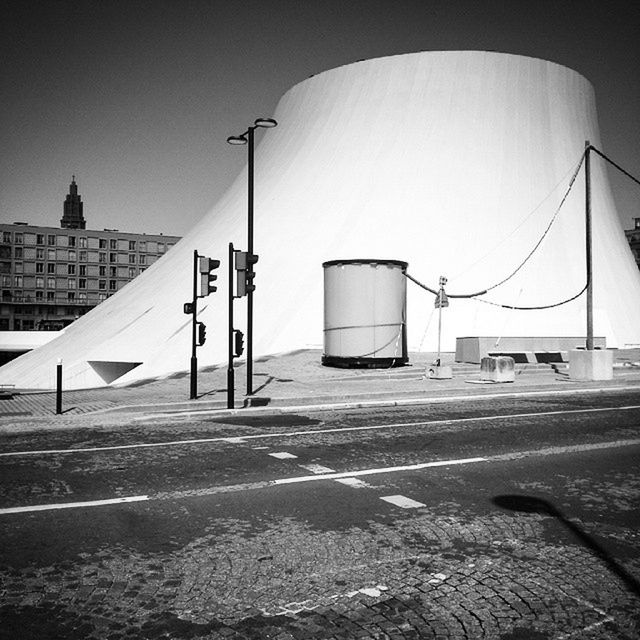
[474,348]
[25,340]
[15,343]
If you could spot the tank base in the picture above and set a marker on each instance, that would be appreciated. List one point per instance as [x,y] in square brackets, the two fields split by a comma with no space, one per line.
[364,363]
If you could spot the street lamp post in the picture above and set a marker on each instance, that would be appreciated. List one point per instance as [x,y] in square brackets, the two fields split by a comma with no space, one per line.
[247,138]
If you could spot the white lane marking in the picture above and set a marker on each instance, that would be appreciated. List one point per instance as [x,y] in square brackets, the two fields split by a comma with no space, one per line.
[73,505]
[316,468]
[265,484]
[403,502]
[368,472]
[355,483]
[282,455]
[573,448]
[284,434]
[367,404]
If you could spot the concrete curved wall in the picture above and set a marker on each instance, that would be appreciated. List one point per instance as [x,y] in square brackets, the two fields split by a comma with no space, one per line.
[451,161]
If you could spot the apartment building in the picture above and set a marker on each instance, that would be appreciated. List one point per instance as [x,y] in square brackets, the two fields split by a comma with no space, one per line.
[51,276]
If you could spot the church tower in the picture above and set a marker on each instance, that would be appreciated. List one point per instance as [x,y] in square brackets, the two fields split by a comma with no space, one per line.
[73,218]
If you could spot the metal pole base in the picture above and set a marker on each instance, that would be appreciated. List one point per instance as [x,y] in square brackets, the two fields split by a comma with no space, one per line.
[194,379]
[230,388]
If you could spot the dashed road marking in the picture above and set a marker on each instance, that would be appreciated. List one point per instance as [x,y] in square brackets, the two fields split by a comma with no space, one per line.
[316,468]
[73,505]
[402,501]
[355,483]
[367,472]
[207,491]
[290,434]
[282,455]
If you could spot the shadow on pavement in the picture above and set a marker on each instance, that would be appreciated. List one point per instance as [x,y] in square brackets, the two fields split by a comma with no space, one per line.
[531,504]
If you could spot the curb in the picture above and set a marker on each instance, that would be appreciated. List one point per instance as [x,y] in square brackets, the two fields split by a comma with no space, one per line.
[330,403]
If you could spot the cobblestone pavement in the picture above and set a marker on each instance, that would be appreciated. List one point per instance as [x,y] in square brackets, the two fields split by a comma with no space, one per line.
[271,564]
[430,576]
[328,560]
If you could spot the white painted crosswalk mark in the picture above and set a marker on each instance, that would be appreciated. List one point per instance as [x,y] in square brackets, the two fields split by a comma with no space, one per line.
[355,483]
[316,468]
[401,501]
[282,455]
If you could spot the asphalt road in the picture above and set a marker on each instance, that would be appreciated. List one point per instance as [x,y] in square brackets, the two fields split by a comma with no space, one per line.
[496,519]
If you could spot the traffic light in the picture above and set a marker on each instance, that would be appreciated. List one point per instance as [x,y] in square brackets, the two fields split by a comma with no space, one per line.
[202,333]
[252,258]
[205,267]
[239,343]
[245,273]
[188,307]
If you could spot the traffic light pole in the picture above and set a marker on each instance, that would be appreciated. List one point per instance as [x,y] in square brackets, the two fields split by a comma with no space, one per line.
[230,371]
[194,359]
[250,252]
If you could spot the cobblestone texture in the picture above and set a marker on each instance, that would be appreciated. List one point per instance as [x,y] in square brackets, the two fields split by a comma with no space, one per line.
[426,576]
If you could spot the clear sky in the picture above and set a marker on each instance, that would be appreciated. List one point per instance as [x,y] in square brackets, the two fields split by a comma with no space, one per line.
[137,97]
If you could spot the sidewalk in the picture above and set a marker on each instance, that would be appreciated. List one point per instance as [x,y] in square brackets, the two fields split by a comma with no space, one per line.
[299,379]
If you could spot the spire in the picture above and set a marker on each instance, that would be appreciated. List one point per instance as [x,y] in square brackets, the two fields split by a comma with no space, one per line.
[72,217]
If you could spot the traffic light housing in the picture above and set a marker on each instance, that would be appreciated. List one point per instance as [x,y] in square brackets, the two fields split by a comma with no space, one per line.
[207,278]
[239,343]
[245,273]
[202,333]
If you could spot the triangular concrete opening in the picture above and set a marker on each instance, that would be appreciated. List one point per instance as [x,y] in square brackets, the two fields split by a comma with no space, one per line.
[111,370]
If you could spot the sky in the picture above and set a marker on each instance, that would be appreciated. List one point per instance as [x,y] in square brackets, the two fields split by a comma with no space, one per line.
[137,97]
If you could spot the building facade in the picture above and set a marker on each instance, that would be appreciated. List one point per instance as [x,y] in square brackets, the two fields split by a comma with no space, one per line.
[51,276]
[633,238]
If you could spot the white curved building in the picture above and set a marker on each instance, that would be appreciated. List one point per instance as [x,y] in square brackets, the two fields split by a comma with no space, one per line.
[454,162]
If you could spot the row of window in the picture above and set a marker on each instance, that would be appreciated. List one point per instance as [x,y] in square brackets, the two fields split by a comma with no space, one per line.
[49,310]
[55,298]
[83,242]
[70,270]
[72,255]
[70,283]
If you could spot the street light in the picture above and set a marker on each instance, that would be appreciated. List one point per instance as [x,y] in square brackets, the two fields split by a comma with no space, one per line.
[247,138]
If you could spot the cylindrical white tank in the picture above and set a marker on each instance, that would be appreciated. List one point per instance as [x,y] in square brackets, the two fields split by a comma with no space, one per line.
[365,304]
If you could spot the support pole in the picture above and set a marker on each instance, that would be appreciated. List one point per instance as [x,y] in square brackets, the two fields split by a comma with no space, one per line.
[587,169]
[439,323]
[230,370]
[250,251]
[59,387]
[193,395]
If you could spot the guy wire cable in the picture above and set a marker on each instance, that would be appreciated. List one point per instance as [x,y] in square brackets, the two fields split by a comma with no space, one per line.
[513,273]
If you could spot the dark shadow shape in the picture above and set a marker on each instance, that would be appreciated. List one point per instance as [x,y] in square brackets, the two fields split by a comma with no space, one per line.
[531,504]
[211,392]
[256,402]
[269,380]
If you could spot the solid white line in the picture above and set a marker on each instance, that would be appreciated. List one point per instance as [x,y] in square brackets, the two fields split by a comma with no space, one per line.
[282,434]
[368,472]
[73,505]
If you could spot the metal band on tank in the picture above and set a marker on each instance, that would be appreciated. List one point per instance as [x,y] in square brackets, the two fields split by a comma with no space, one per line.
[372,261]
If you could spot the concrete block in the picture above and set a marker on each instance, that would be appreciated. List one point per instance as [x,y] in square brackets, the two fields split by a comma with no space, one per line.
[440,372]
[498,369]
[591,365]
